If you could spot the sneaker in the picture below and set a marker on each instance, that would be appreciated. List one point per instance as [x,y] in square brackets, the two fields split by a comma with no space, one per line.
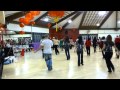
[109,71]
[82,63]
[49,69]
[113,70]
[118,56]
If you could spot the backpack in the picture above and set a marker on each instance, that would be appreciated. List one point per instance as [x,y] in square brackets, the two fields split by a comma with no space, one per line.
[79,48]
[108,48]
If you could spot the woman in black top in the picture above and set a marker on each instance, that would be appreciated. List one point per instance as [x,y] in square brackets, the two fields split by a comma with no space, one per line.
[67,47]
[109,53]
[79,50]
[94,44]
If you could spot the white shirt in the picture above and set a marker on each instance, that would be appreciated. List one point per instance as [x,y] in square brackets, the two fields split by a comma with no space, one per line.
[56,42]
[8,45]
[47,43]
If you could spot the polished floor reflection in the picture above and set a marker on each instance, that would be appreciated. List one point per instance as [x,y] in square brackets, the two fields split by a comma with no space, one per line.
[32,66]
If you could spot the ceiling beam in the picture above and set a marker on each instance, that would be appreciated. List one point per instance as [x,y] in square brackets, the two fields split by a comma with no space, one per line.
[116,19]
[91,29]
[107,16]
[45,14]
[15,16]
[64,18]
[15,22]
[83,17]
[73,18]
[98,28]
[88,27]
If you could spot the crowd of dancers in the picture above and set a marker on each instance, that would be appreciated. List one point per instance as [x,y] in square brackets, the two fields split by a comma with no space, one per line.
[105,45]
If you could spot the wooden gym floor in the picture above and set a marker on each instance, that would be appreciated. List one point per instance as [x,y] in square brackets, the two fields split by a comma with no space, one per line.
[32,66]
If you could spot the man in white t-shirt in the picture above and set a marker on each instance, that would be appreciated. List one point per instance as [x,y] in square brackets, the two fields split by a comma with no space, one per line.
[46,45]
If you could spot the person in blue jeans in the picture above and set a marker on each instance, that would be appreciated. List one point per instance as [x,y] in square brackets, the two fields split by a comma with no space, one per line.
[67,47]
[47,45]
[48,59]
[79,50]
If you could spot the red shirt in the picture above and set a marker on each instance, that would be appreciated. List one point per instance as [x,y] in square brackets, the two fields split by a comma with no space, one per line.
[117,40]
[88,43]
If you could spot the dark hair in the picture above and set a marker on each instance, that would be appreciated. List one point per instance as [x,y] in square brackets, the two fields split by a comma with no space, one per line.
[109,38]
[103,38]
[56,38]
[43,37]
[95,39]
[46,35]
[80,39]
[88,38]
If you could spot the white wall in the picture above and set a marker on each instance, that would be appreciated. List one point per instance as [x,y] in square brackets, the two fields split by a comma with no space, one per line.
[25,35]
[15,36]
[16,27]
[6,37]
[101,33]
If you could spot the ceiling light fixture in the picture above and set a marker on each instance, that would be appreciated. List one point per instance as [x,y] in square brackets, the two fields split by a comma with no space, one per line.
[46,19]
[118,21]
[101,13]
[98,24]
[69,21]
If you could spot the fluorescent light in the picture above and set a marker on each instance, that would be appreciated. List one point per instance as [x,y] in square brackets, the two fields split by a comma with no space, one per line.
[118,21]
[98,24]
[101,13]
[69,21]
[46,19]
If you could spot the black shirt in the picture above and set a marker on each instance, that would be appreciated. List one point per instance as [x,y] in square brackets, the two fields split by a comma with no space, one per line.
[108,46]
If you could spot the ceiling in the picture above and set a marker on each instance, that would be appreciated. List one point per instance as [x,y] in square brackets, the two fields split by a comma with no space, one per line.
[80,19]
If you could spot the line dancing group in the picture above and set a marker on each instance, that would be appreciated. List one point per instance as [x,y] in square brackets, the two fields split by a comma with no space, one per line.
[105,44]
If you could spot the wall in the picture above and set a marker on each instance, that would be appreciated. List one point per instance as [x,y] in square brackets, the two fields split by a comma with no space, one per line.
[6,37]
[72,33]
[101,33]
[15,36]
[16,27]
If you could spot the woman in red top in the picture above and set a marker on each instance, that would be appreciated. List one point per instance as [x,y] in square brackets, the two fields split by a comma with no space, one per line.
[88,44]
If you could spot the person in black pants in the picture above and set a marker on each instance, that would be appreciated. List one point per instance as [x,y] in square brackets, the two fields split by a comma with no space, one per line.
[88,44]
[109,53]
[67,47]
[94,44]
[79,49]
[53,47]
[56,43]
[56,49]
